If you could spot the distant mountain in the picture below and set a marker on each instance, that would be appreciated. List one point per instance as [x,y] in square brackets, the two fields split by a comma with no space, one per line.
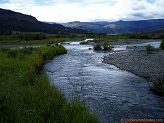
[13,21]
[119,27]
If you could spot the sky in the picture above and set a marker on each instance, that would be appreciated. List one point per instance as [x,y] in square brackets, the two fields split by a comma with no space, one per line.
[62,11]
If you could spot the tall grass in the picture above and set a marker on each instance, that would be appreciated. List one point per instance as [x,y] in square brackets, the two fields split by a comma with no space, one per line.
[26,95]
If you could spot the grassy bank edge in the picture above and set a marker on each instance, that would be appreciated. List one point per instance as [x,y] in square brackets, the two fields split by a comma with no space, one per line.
[27,96]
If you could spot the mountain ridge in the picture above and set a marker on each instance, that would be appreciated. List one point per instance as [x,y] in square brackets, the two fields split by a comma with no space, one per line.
[118,27]
[11,21]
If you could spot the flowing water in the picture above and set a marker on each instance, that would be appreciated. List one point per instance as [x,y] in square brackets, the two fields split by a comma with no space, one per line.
[108,92]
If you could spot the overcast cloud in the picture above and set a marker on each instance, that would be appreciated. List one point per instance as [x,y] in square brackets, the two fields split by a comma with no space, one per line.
[87,10]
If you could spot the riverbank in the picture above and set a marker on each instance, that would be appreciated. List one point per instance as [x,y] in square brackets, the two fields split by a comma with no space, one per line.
[133,41]
[146,64]
[141,63]
[26,94]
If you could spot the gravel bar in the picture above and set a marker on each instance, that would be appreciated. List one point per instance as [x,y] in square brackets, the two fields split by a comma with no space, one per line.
[149,65]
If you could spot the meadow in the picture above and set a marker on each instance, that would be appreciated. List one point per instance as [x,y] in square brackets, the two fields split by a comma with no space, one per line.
[42,38]
[38,38]
[26,95]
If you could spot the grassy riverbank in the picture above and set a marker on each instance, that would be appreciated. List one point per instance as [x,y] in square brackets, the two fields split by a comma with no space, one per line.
[26,94]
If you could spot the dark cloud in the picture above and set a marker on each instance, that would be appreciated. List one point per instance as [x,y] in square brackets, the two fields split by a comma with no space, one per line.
[138,14]
[139,7]
[142,15]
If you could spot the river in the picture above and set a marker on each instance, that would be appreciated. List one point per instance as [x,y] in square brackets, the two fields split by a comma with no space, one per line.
[110,93]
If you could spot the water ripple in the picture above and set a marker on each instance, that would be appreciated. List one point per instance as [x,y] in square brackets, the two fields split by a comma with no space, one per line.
[110,93]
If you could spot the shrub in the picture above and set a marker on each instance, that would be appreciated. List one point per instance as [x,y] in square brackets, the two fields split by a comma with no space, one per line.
[162,44]
[150,48]
[4,49]
[83,43]
[145,36]
[97,47]
[31,36]
[27,51]
[12,53]
[107,47]
[158,88]
[132,36]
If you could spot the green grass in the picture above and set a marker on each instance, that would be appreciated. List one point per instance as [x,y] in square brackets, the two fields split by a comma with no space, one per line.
[41,38]
[26,95]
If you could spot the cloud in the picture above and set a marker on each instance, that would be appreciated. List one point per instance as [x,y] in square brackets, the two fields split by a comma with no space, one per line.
[139,7]
[138,14]
[88,10]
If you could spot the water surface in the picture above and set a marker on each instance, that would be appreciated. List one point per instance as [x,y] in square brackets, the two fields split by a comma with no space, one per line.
[110,93]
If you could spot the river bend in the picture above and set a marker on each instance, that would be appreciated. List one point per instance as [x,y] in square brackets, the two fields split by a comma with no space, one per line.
[110,93]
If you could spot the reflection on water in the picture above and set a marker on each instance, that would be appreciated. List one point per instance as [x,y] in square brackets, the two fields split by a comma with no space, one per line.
[110,93]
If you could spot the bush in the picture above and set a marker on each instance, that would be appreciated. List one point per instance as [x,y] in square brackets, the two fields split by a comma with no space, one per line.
[83,43]
[4,49]
[97,47]
[132,36]
[150,48]
[145,36]
[27,50]
[158,88]
[31,36]
[12,53]
[162,45]
[107,47]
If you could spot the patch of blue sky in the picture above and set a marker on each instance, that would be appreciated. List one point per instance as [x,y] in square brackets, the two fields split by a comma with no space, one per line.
[43,2]
[74,0]
[150,1]
[4,1]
